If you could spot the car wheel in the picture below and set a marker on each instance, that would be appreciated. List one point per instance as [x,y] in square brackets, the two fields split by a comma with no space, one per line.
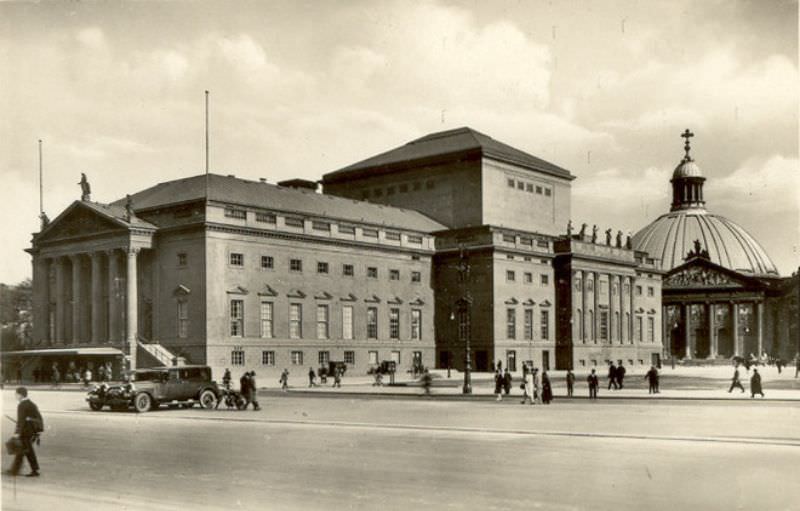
[208,399]
[143,402]
[96,407]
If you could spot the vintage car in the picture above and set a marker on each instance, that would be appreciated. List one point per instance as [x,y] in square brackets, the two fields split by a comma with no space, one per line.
[149,388]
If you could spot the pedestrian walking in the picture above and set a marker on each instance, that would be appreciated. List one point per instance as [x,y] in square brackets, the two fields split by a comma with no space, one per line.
[378,379]
[337,377]
[311,377]
[620,374]
[498,385]
[284,381]
[244,389]
[251,381]
[755,384]
[537,386]
[593,382]
[612,376]
[426,382]
[226,378]
[527,386]
[87,377]
[779,364]
[547,390]
[29,426]
[56,376]
[652,380]
[570,382]
[735,383]
[507,380]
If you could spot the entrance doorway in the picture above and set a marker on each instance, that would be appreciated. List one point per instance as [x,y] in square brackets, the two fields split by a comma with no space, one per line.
[481,361]
[545,360]
[511,360]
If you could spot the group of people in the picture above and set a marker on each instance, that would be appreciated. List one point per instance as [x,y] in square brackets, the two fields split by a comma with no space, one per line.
[536,387]
[247,388]
[755,382]
[338,372]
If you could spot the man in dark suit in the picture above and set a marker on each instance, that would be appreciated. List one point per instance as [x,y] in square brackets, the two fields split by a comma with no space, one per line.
[253,391]
[612,376]
[620,373]
[29,425]
[593,382]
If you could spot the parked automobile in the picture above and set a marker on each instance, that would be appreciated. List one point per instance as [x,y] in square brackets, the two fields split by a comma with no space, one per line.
[150,388]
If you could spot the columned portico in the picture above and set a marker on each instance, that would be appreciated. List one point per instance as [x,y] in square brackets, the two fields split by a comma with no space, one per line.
[76,298]
[737,348]
[131,302]
[113,296]
[97,297]
[712,331]
[60,301]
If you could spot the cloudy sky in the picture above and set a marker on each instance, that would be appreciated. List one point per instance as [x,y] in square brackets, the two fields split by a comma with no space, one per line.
[603,88]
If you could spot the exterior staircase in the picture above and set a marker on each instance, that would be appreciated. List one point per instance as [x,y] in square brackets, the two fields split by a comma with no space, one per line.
[152,354]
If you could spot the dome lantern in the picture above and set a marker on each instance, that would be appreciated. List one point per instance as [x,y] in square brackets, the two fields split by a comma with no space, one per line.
[687,181]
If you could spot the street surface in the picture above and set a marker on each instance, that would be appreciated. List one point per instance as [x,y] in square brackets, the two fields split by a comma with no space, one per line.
[372,452]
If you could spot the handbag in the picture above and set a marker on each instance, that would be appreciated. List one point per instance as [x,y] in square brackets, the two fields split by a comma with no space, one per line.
[14,446]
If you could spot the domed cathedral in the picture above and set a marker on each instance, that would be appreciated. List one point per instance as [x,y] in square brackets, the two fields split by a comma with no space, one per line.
[722,295]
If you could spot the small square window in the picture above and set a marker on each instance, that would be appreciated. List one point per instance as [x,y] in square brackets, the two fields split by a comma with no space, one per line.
[510,257]
[520,185]
[372,272]
[350,357]
[582,362]
[295,265]
[545,279]
[510,183]
[237,259]
[650,291]
[297,358]
[182,259]
[235,213]
[267,262]
[416,276]
[322,267]
[321,226]
[539,190]
[293,221]
[528,277]
[346,229]
[393,236]
[394,274]
[547,192]
[237,358]
[267,218]
[510,276]
[347,270]
[370,233]
[529,188]
[267,358]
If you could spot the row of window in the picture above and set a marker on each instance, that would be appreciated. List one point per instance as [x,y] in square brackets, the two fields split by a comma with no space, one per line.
[593,362]
[614,289]
[527,331]
[519,184]
[323,357]
[638,333]
[401,188]
[323,268]
[267,321]
[527,278]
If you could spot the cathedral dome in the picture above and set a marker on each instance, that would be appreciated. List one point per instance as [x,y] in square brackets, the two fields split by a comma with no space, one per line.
[671,236]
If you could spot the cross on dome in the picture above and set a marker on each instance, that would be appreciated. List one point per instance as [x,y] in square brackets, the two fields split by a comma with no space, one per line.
[686,147]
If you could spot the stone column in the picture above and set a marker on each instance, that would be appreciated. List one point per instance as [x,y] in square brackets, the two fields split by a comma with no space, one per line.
[612,279]
[97,297]
[666,328]
[632,297]
[132,302]
[687,324]
[113,302]
[61,304]
[584,313]
[737,350]
[596,313]
[712,331]
[760,326]
[41,300]
[76,298]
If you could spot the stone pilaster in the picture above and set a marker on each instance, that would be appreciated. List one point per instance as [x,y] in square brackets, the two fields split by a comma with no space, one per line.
[132,303]
[76,299]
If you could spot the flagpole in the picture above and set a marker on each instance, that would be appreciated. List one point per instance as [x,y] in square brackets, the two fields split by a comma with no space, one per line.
[207,150]
[41,185]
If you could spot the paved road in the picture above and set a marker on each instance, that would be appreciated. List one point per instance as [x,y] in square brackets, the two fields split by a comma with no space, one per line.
[329,453]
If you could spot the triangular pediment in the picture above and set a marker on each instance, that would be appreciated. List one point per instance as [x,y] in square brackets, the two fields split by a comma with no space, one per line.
[238,290]
[701,273]
[267,290]
[78,220]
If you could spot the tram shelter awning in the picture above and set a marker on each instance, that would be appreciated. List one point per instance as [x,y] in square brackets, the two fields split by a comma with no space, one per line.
[99,352]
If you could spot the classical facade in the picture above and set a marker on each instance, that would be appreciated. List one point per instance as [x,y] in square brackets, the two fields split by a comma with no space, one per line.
[722,295]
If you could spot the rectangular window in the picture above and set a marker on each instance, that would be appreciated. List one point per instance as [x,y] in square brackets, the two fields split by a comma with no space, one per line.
[295,320]
[347,322]
[528,242]
[265,218]
[372,322]
[638,290]
[394,323]
[323,357]
[297,358]
[542,244]
[322,267]
[237,358]
[416,276]
[510,183]
[520,185]
[183,319]
[392,236]
[545,325]
[394,274]
[372,272]
[182,259]
[350,357]
[547,192]
[322,321]
[369,233]
[267,262]
[416,240]
[373,357]
[321,226]
[237,318]
[528,324]
[296,265]
[236,259]
[416,324]
[235,213]
[293,221]
[639,328]
[347,270]
[267,358]
[528,277]
[529,188]
[511,323]
[651,330]
[509,238]
[545,279]
[266,320]
[539,190]
[511,276]
[395,357]
[603,325]
[650,291]
[346,229]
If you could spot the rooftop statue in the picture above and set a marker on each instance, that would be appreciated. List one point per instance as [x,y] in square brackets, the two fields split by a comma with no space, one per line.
[594,233]
[619,239]
[608,237]
[86,190]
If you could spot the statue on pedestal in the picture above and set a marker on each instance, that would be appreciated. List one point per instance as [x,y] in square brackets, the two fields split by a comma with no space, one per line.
[619,239]
[594,233]
[569,229]
[128,208]
[629,242]
[608,237]
[45,221]
[582,233]
[86,190]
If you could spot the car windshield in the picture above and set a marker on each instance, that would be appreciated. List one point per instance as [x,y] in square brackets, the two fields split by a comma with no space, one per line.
[148,375]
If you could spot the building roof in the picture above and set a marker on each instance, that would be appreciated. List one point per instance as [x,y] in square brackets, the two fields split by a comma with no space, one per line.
[671,237]
[687,168]
[458,142]
[233,190]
